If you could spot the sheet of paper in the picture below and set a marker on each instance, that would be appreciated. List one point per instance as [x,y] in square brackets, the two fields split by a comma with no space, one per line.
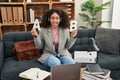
[85,56]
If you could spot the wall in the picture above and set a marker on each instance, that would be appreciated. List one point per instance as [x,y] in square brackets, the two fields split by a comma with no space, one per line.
[78,10]
[116,15]
[107,15]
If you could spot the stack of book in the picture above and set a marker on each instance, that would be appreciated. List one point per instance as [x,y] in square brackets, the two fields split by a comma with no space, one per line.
[95,72]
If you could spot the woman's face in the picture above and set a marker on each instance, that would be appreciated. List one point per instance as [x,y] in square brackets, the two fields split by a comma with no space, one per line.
[54,20]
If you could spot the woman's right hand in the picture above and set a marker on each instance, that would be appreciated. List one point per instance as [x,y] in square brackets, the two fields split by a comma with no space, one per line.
[34,32]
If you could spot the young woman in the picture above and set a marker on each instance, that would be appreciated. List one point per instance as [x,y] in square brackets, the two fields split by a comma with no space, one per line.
[55,38]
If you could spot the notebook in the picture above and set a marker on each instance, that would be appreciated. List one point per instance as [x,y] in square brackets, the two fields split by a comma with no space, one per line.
[34,74]
[94,69]
[66,72]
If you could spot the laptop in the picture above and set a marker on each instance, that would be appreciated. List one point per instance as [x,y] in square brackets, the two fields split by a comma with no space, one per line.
[66,72]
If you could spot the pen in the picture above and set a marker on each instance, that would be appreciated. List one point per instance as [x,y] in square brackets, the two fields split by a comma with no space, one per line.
[37,74]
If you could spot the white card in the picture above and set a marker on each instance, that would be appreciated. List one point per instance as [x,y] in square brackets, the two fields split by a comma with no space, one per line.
[36,24]
[73,25]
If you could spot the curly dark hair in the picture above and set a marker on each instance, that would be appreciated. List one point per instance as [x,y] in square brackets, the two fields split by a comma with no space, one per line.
[64,23]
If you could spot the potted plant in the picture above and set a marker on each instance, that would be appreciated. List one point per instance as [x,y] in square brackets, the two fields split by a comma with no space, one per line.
[90,10]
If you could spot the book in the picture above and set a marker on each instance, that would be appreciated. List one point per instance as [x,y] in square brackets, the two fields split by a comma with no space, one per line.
[9,14]
[31,15]
[20,14]
[29,0]
[4,15]
[105,75]
[34,74]
[15,14]
[94,69]
[92,77]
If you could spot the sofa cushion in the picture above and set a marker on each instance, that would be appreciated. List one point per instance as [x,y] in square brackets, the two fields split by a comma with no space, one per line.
[1,54]
[84,44]
[109,61]
[85,41]
[108,40]
[12,68]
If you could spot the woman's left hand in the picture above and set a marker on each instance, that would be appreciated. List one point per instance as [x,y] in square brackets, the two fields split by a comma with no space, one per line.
[74,33]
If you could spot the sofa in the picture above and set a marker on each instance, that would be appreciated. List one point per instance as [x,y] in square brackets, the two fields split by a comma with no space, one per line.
[87,40]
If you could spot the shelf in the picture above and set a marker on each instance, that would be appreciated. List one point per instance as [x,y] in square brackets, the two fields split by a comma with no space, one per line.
[40,0]
[62,0]
[12,28]
[67,7]
[11,3]
[11,24]
[57,2]
[39,10]
[36,3]
[16,16]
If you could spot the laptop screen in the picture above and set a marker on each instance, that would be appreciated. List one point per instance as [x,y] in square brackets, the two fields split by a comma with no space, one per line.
[66,72]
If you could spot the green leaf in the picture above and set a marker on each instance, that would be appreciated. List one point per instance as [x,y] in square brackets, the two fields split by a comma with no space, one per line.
[84,27]
[107,3]
[85,17]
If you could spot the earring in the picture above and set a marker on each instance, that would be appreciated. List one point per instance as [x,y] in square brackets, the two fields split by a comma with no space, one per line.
[48,19]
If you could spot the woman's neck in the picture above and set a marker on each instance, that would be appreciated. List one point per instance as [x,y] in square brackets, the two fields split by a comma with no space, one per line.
[55,27]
